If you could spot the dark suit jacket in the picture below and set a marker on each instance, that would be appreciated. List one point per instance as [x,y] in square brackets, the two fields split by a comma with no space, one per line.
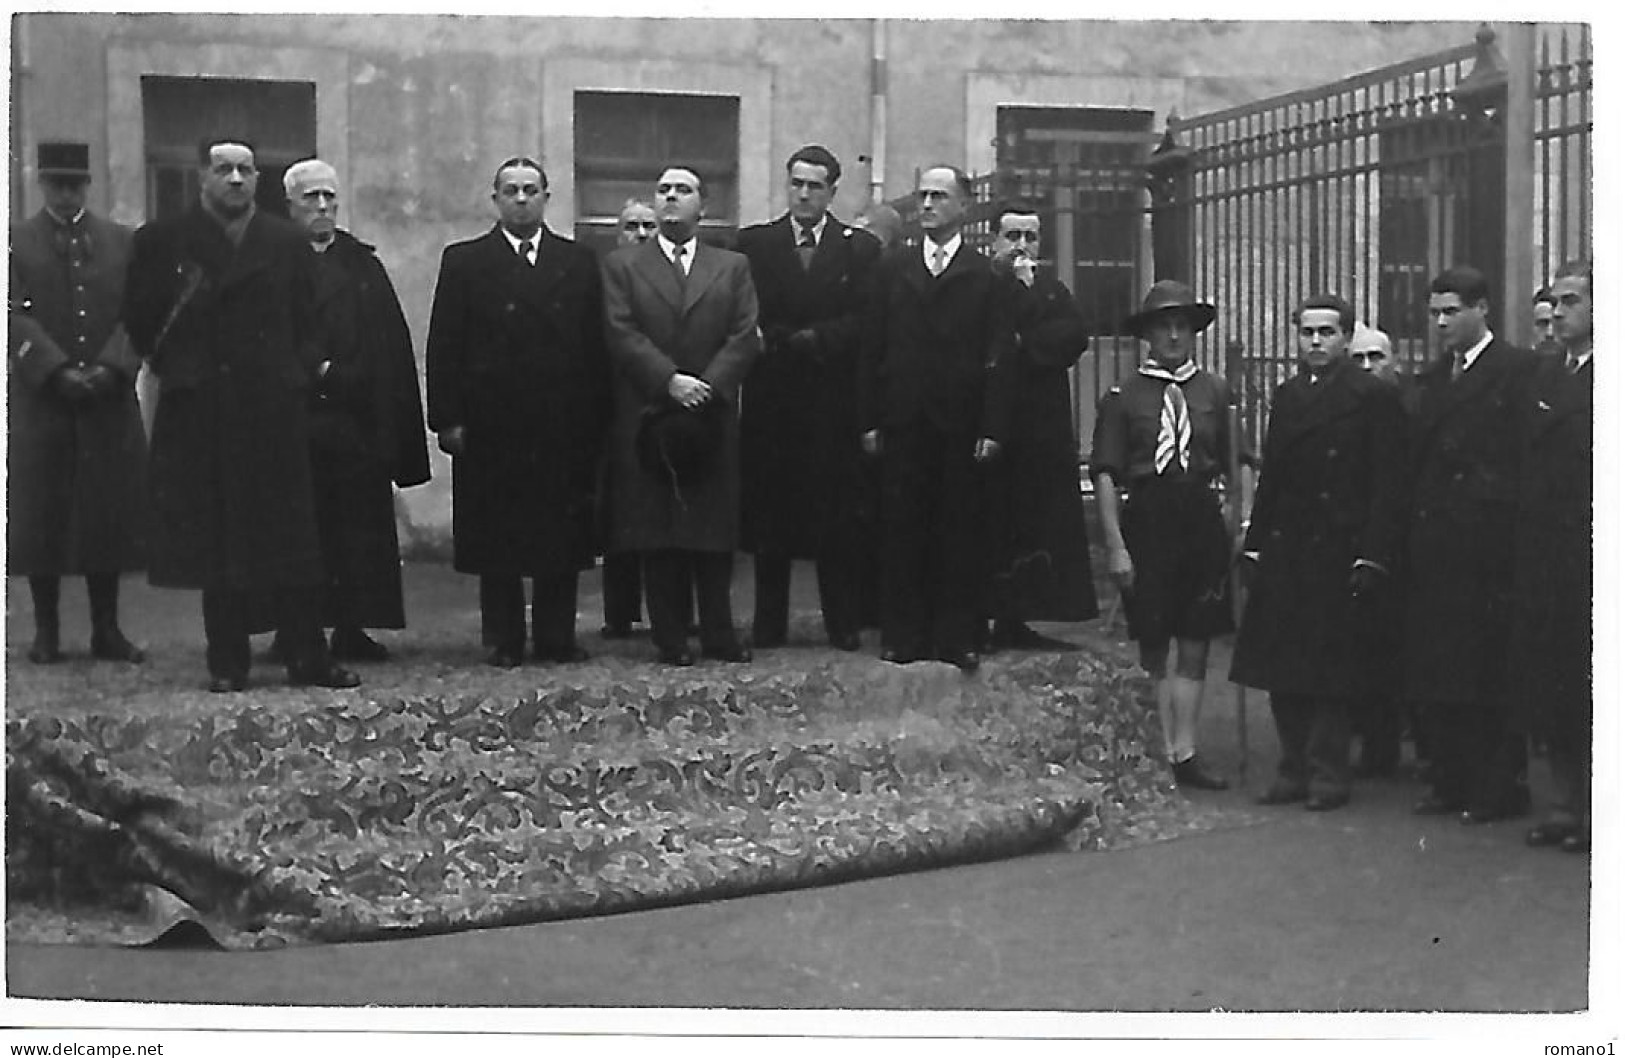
[656,326]
[1465,462]
[1331,491]
[937,349]
[1552,587]
[516,357]
[801,455]
[231,334]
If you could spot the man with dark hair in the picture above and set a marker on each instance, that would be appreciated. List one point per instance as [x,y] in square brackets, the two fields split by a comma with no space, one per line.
[221,303]
[1465,466]
[76,461]
[801,459]
[1542,306]
[934,406]
[1551,641]
[366,420]
[1039,540]
[680,320]
[518,387]
[1323,537]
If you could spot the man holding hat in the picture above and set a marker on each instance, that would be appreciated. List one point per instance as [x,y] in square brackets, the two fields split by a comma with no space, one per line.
[1324,536]
[681,326]
[1162,436]
[76,462]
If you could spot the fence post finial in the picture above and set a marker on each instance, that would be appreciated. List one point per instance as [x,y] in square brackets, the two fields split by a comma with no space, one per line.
[1484,90]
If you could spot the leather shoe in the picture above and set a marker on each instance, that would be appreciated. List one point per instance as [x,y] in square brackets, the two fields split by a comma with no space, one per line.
[329,676]
[1553,832]
[1190,772]
[679,658]
[1579,841]
[45,650]
[847,641]
[112,646]
[1326,802]
[504,658]
[355,645]
[1434,805]
[898,657]
[563,656]
[1283,794]
[616,631]
[1481,814]
[732,653]
[964,660]
[227,684]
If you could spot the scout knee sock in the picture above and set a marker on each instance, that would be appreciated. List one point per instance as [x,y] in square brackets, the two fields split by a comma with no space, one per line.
[1187,709]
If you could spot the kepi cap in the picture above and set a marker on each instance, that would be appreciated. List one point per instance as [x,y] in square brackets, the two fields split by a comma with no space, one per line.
[64,159]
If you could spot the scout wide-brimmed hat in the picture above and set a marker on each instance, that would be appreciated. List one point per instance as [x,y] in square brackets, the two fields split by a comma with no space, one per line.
[1170,295]
[70,160]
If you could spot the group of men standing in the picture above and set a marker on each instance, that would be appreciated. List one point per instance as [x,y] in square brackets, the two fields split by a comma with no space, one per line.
[1458,512]
[807,397]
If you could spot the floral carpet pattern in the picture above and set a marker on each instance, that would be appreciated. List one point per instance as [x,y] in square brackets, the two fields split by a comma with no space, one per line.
[369,816]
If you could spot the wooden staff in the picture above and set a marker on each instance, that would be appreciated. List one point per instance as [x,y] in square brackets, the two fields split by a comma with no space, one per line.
[1234,516]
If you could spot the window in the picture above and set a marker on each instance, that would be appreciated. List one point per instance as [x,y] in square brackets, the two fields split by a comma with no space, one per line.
[1101,154]
[278,117]
[624,139]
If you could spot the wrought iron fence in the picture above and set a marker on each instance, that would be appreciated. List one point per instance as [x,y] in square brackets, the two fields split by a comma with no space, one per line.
[1563,147]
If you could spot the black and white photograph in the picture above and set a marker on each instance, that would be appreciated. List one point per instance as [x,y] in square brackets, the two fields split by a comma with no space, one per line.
[732,528]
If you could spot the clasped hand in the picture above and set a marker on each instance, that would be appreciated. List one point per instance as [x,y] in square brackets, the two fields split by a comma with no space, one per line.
[688,391]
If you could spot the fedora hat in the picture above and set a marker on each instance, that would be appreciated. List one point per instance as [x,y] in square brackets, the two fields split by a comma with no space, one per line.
[678,444]
[64,159]
[1170,295]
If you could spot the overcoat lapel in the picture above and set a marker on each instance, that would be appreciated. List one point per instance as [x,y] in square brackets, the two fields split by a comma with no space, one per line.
[657,271]
[1444,395]
[330,282]
[1559,395]
[252,255]
[701,274]
[1316,403]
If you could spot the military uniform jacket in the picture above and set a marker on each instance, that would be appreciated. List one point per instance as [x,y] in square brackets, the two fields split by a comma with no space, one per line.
[801,456]
[1331,492]
[656,325]
[1551,660]
[231,333]
[1466,459]
[516,357]
[76,484]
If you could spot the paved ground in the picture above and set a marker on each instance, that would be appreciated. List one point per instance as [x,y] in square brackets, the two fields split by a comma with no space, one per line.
[1364,909]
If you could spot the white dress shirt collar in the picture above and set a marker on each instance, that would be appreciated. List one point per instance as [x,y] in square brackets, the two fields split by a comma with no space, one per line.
[669,248]
[1471,355]
[514,241]
[928,251]
[817,229]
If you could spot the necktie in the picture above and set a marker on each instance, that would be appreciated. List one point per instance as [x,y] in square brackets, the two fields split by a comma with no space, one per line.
[939,259]
[1573,364]
[525,249]
[1174,430]
[1458,366]
[806,246]
[677,263]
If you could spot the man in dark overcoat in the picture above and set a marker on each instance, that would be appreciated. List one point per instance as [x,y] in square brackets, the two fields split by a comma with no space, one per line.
[934,405]
[518,386]
[1552,637]
[367,432]
[1039,539]
[1465,464]
[680,318]
[220,303]
[801,459]
[76,458]
[1324,535]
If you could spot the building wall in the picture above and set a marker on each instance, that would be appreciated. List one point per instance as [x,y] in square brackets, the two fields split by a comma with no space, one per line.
[415,110]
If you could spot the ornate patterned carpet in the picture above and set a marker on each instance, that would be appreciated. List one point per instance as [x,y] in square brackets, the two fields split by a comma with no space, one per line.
[289,818]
